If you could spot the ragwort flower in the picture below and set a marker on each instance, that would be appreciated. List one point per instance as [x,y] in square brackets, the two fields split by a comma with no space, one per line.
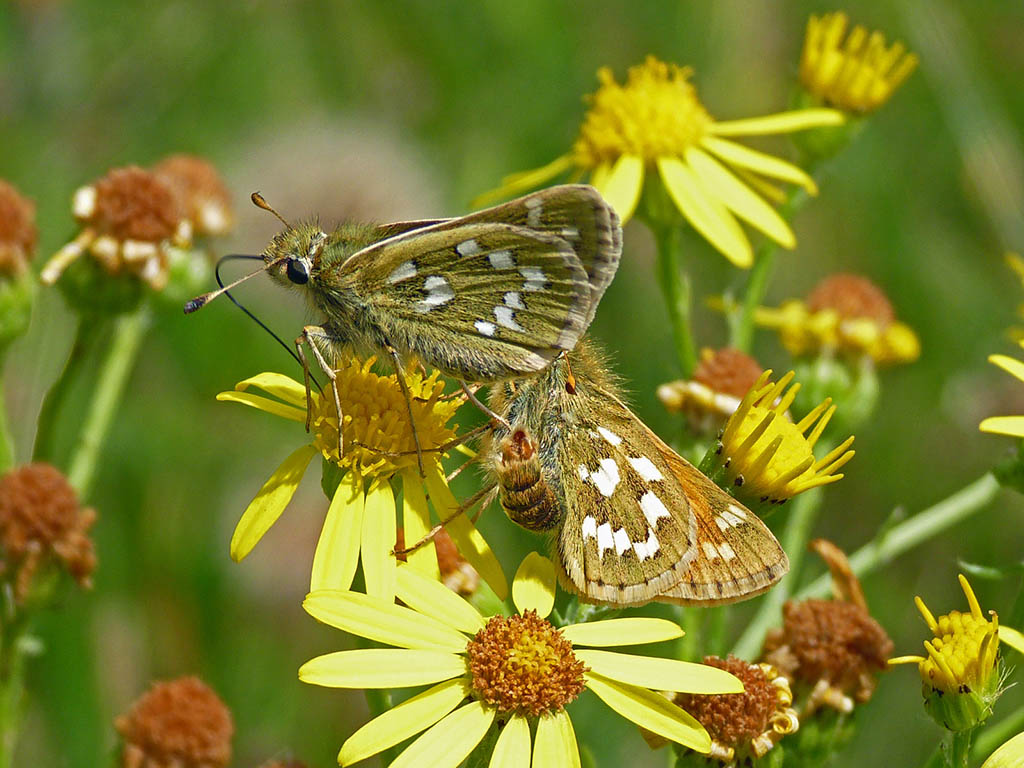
[654,123]
[509,671]
[378,446]
[18,236]
[1006,425]
[766,459]
[744,726]
[962,675]
[713,394]
[844,314]
[858,75]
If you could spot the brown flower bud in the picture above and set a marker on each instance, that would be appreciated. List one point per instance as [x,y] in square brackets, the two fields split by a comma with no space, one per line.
[852,297]
[18,233]
[199,191]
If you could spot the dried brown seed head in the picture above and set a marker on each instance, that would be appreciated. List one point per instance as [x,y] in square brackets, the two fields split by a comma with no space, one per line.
[852,296]
[727,370]
[18,233]
[177,724]
[734,719]
[199,191]
[132,204]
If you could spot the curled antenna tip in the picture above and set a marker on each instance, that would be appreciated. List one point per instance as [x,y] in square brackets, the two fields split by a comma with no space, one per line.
[197,303]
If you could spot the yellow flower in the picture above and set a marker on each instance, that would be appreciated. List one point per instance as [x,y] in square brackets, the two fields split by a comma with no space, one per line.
[859,75]
[846,314]
[719,382]
[1006,425]
[378,446]
[514,670]
[654,122]
[961,674]
[766,457]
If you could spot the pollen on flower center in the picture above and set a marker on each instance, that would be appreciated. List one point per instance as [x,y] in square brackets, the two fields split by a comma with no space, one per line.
[377,438]
[962,653]
[523,664]
[655,114]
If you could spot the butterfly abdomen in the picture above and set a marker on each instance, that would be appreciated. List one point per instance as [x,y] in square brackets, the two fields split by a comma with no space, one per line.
[524,494]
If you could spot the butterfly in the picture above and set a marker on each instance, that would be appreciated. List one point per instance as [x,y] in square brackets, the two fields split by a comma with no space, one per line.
[631,520]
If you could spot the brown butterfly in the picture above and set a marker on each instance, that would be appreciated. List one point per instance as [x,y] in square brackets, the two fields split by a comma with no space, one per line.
[631,520]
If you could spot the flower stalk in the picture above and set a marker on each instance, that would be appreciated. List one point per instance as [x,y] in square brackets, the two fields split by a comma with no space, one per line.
[676,290]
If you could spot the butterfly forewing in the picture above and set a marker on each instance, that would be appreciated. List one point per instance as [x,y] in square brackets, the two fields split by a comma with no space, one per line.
[482,300]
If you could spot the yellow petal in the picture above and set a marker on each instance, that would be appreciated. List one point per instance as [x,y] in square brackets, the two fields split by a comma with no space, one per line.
[651,711]
[629,631]
[783,122]
[555,745]
[450,741]
[1009,364]
[660,674]
[524,181]
[1004,425]
[337,551]
[263,404]
[512,750]
[434,599]
[378,541]
[270,502]
[704,212]
[1011,637]
[767,165]
[739,198]
[599,176]
[621,187]
[1009,755]
[467,538]
[384,622]
[534,585]
[381,668]
[278,385]
[416,524]
[407,719]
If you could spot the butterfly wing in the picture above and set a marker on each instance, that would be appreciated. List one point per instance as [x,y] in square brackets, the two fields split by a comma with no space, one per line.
[481,300]
[643,524]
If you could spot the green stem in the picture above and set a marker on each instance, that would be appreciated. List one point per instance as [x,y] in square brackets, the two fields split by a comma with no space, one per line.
[90,327]
[12,685]
[993,736]
[959,754]
[675,287]
[913,531]
[6,441]
[128,334]
[795,535]
[741,333]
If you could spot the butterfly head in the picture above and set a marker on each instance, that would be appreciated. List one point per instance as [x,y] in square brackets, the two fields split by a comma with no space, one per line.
[294,256]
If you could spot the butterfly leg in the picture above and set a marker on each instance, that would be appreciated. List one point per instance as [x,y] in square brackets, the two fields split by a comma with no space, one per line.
[453,443]
[400,374]
[473,399]
[488,491]
[309,333]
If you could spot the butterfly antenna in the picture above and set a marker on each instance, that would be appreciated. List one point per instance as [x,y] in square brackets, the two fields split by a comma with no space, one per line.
[259,202]
[201,301]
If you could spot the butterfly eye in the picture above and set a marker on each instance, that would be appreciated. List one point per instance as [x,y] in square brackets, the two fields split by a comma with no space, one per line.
[297,271]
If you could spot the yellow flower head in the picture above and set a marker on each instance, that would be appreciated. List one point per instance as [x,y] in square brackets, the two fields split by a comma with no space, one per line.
[768,458]
[846,314]
[378,446]
[655,123]
[1006,425]
[961,673]
[517,670]
[858,75]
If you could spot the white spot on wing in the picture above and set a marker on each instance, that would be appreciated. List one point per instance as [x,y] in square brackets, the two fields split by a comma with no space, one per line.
[514,300]
[645,468]
[403,271]
[709,550]
[583,472]
[652,508]
[468,248]
[535,278]
[604,538]
[589,527]
[649,548]
[507,318]
[438,293]
[610,436]
[727,519]
[534,207]
[739,511]
[501,259]
[487,329]
[622,542]
[726,550]
[606,477]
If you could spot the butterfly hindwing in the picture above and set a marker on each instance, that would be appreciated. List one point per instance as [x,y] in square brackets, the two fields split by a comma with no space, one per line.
[482,300]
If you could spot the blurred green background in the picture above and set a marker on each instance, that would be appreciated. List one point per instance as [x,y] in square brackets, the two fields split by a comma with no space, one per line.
[406,110]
